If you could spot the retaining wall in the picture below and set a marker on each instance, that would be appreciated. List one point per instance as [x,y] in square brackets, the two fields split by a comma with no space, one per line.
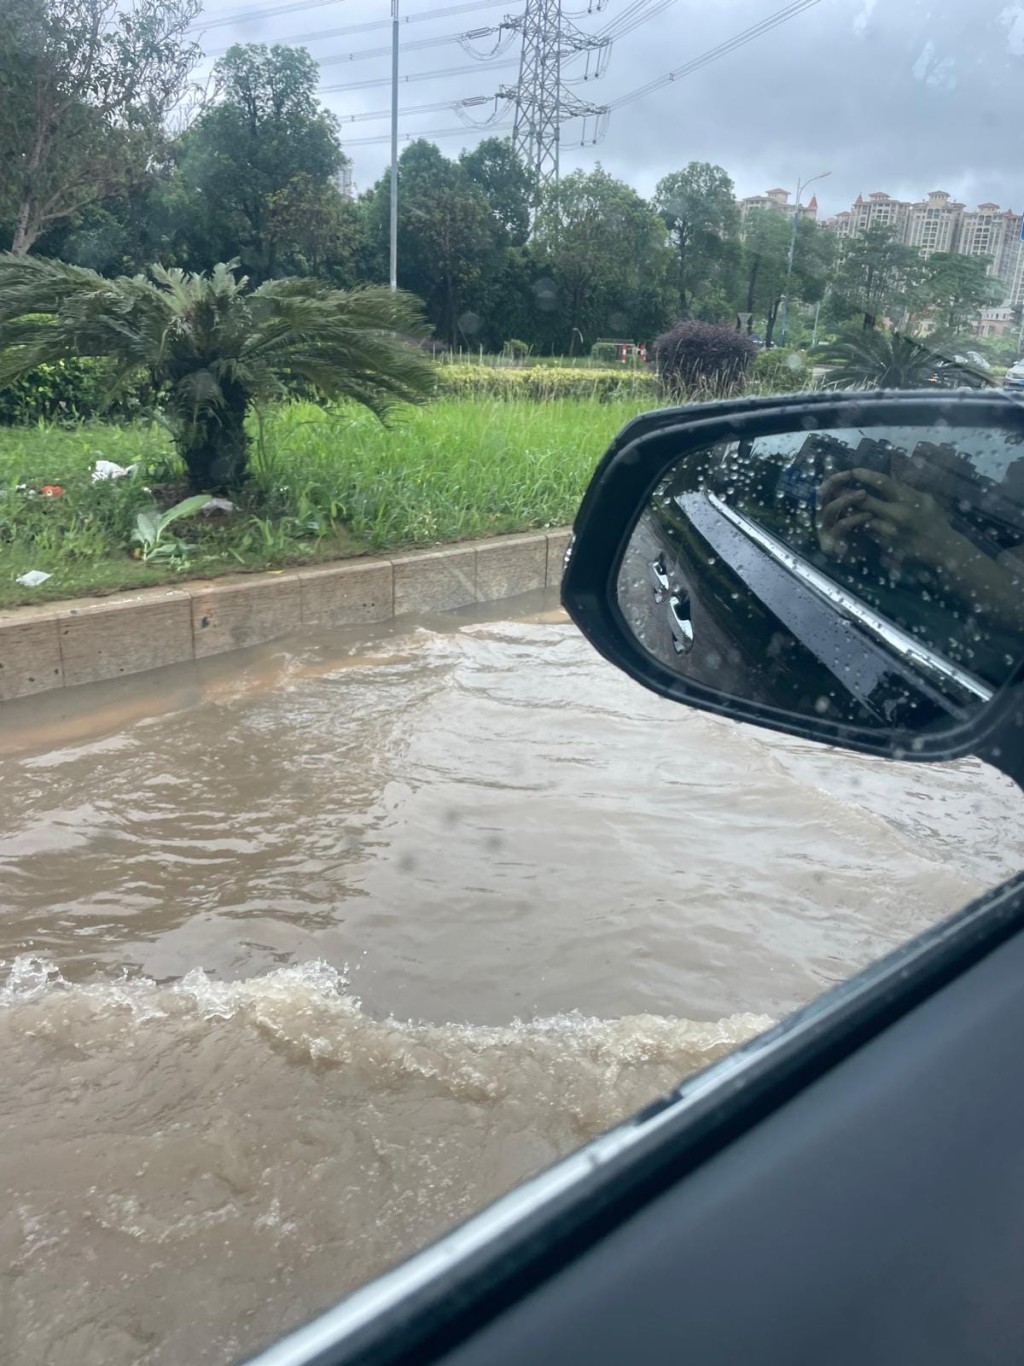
[66,643]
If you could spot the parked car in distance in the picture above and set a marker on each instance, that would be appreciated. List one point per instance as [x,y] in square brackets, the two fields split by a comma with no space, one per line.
[1014,377]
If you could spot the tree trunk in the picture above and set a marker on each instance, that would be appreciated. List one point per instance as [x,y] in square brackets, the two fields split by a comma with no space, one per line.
[752,292]
[25,233]
[773,313]
[216,448]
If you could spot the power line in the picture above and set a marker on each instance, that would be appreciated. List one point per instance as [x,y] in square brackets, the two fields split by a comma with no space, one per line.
[245,16]
[446,12]
[416,76]
[635,15]
[471,101]
[368,53]
[473,35]
[414,137]
[713,54]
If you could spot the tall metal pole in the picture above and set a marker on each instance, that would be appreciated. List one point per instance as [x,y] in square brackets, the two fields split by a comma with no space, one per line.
[558,93]
[784,313]
[394,145]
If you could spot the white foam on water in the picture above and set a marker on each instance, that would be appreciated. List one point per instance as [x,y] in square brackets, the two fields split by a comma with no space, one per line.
[309,1009]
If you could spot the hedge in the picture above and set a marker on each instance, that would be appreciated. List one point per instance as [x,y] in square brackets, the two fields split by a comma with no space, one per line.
[68,391]
[536,383]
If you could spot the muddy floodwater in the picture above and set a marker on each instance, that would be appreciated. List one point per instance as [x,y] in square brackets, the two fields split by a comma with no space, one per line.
[306,954]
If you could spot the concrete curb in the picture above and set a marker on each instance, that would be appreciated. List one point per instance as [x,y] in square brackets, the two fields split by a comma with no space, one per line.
[88,639]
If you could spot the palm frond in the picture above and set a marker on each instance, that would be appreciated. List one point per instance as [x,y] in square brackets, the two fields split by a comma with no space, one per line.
[203,337]
[873,359]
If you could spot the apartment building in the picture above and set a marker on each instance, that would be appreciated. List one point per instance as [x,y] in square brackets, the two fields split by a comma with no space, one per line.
[934,223]
[778,199]
[941,223]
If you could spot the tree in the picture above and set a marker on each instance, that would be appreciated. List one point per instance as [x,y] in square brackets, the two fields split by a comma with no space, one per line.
[767,236]
[213,348]
[85,87]
[450,245]
[266,130]
[957,287]
[509,187]
[876,276]
[604,261]
[317,228]
[698,206]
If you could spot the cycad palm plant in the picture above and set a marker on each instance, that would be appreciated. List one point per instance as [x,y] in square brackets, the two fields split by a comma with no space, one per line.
[874,359]
[213,348]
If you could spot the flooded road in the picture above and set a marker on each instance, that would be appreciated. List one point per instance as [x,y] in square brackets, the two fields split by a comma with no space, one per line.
[308,954]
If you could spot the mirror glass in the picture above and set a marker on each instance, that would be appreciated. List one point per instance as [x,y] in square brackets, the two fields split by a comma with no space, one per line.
[873,576]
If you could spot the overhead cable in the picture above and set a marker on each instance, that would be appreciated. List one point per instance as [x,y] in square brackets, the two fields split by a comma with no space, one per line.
[246,16]
[470,101]
[445,12]
[713,54]
[417,76]
[414,137]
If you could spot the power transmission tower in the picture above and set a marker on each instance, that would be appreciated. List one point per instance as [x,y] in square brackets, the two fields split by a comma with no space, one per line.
[542,101]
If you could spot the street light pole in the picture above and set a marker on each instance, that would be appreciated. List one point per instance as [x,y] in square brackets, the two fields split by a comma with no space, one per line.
[394,146]
[800,187]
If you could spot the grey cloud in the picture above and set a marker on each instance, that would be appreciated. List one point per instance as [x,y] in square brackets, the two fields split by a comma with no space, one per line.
[897,95]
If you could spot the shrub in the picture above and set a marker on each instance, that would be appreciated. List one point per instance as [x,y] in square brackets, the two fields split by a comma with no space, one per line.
[515,348]
[703,357]
[67,391]
[539,383]
[876,359]
[781,370]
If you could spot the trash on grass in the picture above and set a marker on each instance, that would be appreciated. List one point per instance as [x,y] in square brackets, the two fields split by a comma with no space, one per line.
[219,505]
[109,469]
[51,490]
[33,578]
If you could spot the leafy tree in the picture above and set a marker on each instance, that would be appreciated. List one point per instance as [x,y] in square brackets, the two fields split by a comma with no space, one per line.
[450,244]
[766,277]
[213,348]
[698,206]
[85,88]
[876,276]
[957,288]
[508,185]
[243,154]
[604,261]
[317,228]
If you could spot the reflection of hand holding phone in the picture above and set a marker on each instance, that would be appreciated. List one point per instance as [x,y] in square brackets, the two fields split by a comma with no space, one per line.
[875,456]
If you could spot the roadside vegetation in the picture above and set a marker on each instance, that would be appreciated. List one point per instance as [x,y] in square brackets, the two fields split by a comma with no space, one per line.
[326,482]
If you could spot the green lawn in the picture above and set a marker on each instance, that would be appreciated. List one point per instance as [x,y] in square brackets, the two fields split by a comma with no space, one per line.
[327,483]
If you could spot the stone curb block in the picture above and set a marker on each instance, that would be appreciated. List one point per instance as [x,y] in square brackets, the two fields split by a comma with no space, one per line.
[116,637]
[64,644]
[231,616]
[29,657]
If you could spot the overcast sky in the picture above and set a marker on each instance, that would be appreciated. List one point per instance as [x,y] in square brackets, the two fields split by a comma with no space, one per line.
[904,96]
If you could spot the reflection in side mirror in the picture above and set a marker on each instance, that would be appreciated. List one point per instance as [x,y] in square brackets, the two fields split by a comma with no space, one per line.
[869,576]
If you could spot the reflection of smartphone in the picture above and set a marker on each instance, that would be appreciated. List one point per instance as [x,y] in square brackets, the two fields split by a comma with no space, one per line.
[875,455]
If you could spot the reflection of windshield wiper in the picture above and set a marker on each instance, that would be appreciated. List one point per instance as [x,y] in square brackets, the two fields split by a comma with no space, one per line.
[909,649]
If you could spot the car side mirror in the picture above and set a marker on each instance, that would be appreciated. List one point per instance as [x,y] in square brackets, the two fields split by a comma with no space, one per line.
[848,569]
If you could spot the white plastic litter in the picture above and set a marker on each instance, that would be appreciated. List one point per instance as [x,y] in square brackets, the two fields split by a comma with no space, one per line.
[218,505]
[33,578]
[109,469]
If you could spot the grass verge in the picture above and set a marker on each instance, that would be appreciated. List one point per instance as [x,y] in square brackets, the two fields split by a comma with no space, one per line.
[327,483]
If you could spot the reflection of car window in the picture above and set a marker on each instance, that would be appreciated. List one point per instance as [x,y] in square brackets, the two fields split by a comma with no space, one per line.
[968,483]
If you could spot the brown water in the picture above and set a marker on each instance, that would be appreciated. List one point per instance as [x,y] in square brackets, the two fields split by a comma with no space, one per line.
[309,954]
